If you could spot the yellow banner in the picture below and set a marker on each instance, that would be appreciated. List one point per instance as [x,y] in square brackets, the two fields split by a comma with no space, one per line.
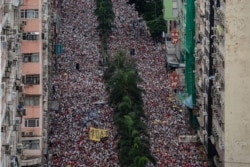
[96,134]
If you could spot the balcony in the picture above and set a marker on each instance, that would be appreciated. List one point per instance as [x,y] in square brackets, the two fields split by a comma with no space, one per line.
[29,134]
[6,134]
[219,129]
[219,47]
[199,92]
[31,161]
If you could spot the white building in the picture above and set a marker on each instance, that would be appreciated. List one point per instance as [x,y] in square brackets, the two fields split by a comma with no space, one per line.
[11,113]
[223,80]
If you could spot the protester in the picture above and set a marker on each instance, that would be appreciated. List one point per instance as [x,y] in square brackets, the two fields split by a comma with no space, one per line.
[78,87]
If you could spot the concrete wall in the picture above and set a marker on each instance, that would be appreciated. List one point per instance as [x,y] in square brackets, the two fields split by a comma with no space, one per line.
[237,84]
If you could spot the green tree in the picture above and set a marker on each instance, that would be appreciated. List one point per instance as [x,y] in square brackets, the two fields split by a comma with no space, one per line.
[152,12]
[125,96]
[105,17]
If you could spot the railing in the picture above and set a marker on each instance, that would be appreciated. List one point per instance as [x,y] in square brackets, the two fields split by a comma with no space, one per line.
[219,130]
[30,162]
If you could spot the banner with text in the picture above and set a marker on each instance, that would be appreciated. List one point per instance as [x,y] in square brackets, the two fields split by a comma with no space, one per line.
[96,134]
[188,138]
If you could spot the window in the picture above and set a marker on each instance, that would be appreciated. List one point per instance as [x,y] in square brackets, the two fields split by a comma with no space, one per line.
[175,5]
[32,101]
[31,79]
[218,3]
[3,41]
[31,122]
[29,14]
[31,144]
[30,36]
[31,57]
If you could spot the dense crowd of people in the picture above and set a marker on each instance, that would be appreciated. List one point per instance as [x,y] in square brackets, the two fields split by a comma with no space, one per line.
[78,87]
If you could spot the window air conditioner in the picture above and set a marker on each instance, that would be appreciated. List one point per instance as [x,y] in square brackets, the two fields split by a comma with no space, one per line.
[24,79]
[24,23]
[30,133]
[23,111]
[214,131]
[221,102]
[217,84]
[3,85]
[3,38]
[214,62]
[19,145]
[3,129]
[20,29]
[212,139]
[207,22]
[19,36]
[205,95]
[8,151]
[207,80]
[221,146]
[19,88]
[16,127]
[207,62]
[19,150]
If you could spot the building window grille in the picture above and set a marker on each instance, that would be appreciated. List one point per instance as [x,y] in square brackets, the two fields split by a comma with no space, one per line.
[31,144]
[31,57]
[32,80]
[31,122]
[29,13]
[218,3]
[32,100]
[31,36]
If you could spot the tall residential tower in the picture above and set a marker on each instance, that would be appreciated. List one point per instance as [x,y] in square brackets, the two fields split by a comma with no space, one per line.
[223,80]
[35,19]
[11,89]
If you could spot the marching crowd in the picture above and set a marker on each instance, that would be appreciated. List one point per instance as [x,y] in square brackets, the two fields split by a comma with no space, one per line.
[78,87]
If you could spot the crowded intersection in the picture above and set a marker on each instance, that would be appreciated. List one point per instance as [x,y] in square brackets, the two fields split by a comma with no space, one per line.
[78,87]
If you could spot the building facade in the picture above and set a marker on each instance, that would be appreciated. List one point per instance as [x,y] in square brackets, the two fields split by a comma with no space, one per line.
[35,19]
[200,65]
[217,135]
[235,119]
[207,73]
[11,88]
[222,80]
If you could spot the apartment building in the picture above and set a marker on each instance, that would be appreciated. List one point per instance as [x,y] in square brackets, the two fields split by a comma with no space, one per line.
[11,89]
[209,77]
[217,136]
[35,19]
[203,71]
[237,83]
[222,80]
[200,68]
